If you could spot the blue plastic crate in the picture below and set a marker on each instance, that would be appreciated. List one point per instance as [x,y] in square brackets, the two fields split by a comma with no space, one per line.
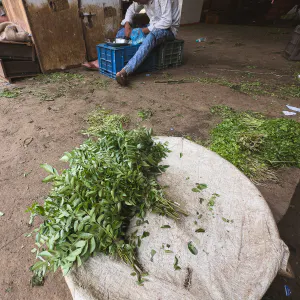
[113,59]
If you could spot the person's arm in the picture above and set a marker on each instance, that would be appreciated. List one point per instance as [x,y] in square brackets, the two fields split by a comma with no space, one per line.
[165,21]
[133,9]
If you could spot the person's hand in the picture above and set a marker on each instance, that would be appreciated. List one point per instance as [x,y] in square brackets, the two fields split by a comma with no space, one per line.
[128,29]
[145,30]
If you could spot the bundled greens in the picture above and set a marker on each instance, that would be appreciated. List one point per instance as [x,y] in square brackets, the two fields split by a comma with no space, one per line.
[255,144]
[109,181]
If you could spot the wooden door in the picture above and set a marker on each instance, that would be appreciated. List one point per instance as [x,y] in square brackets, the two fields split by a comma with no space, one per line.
[100,20]
[57,32]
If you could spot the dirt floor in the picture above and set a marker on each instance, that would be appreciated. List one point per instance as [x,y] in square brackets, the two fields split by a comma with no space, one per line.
[241,67]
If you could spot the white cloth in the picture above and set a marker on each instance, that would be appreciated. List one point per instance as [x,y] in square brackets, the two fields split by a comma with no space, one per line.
[163,14]
[239,254]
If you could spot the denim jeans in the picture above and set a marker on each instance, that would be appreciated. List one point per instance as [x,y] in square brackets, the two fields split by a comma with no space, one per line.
[153,39]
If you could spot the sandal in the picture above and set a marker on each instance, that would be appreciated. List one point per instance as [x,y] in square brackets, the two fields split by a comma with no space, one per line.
[122,78]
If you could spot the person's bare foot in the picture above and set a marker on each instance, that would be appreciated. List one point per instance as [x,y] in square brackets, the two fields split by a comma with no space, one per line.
[92,65]
[122,78]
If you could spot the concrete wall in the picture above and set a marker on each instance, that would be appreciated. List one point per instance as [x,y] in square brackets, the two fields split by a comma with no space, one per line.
[191,11]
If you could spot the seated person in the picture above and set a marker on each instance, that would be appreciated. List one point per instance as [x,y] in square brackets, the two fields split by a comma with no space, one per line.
[164,23]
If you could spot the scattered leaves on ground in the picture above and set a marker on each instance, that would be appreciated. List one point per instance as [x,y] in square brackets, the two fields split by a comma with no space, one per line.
[145,114]
[192,248]
[153,252]
[168,251]
[199,187]
[176,267]
[165,226]
[6,93]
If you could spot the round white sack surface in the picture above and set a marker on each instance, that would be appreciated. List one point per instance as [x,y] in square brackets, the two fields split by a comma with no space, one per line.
[238,255]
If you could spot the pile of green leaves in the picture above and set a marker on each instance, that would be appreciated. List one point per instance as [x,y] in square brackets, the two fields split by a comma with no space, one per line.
[255,144]
[101,121]
[109,181]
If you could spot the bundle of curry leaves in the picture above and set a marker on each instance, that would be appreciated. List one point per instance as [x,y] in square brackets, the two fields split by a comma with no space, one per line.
[109,181]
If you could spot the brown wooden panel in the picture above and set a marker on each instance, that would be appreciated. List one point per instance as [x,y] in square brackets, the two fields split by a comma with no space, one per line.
[104,22]
[18,69]
[58,35]
[17,51]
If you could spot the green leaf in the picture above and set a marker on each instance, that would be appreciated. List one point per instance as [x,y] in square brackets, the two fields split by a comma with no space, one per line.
[176,267]
[79,261]
[73,255]
[38,265]
[192,248]
[1,214]
[66,269]
[76,223]
[49,169]
[145,234]
[49,178]
[80,244]
[165,226]
[66,157]
[200,230]
[92,245]
[133,274]
[153,252]
[202,186]
[181,155]
[100,219]
[45,253]
[168,251]
[195,190]
[85,235]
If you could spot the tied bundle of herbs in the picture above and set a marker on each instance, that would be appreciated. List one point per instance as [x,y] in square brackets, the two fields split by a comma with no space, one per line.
[109,181]
[255,144]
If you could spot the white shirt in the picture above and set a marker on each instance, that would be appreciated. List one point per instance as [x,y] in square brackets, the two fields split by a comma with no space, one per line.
[163,14]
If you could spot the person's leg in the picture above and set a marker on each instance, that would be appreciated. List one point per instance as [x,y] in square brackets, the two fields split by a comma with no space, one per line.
[153,39]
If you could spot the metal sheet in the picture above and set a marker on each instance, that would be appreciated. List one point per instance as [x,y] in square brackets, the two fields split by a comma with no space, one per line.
[57,34]
[105,22]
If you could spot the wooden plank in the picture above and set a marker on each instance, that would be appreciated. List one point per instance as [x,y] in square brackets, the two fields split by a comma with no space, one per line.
[57,34]
[16,13]
[16,69]
[17,51]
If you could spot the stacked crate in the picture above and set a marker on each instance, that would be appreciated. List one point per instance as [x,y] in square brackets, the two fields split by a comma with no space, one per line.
[113,59]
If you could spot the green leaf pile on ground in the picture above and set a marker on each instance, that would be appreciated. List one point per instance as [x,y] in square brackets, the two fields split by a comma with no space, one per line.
[255,144]
[109,181]
[101,120]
